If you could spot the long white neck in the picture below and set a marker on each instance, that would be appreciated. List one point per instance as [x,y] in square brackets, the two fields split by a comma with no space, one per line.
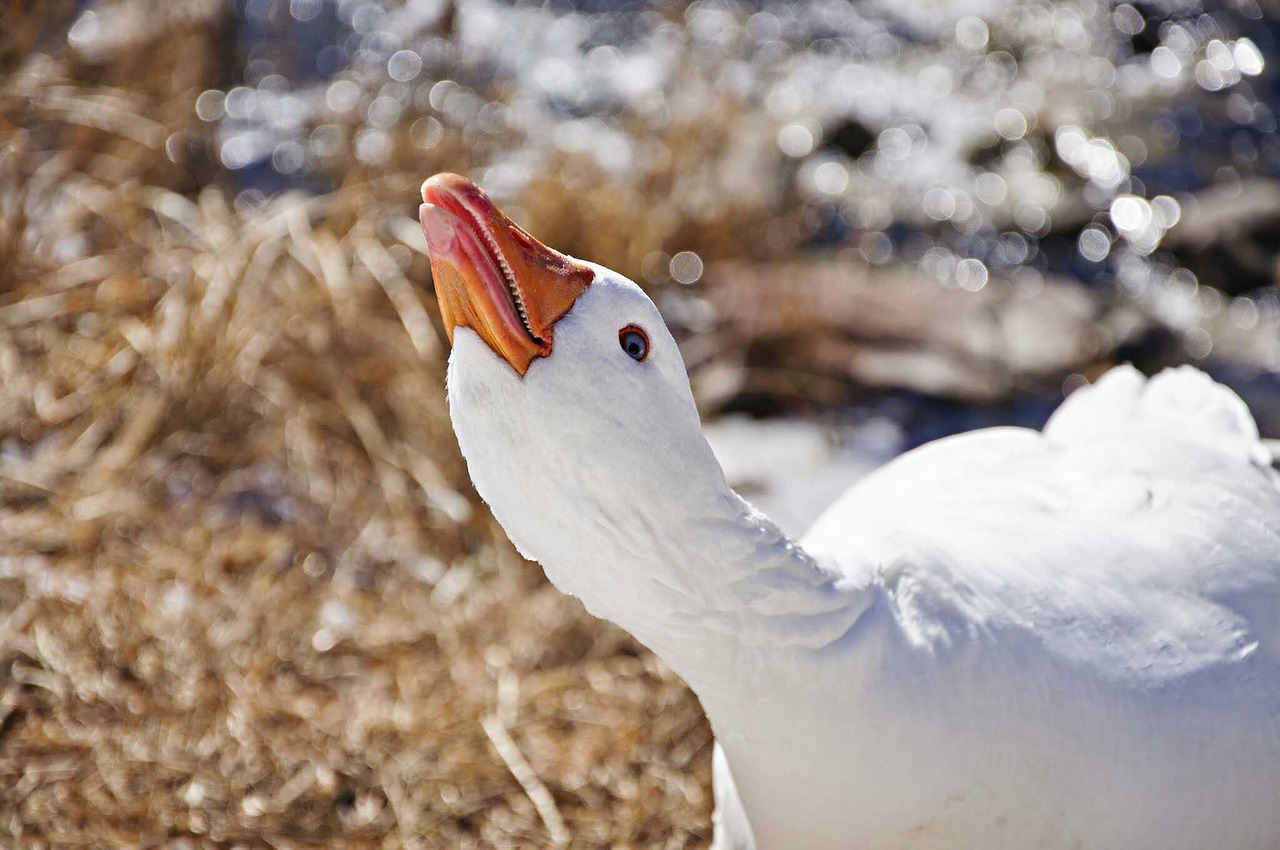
[713,589]
[607,481]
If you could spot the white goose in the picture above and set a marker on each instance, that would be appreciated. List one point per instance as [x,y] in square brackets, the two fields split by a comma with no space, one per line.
[1006,639]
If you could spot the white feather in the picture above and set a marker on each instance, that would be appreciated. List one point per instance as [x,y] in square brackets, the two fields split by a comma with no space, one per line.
[1005,639]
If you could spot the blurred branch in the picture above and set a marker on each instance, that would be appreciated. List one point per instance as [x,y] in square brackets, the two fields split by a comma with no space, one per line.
[529,781]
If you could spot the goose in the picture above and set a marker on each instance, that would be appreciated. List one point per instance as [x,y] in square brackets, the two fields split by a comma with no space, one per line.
[1010,638]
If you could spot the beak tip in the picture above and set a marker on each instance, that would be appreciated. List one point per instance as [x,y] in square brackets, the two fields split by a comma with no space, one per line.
[447,183]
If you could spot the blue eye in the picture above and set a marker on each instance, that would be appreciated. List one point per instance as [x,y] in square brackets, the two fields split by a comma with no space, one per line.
[635,342]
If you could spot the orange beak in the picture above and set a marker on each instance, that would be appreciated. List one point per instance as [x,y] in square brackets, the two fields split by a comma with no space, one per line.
[492,276]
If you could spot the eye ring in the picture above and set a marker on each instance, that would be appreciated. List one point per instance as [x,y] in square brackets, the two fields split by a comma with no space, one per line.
[635,342]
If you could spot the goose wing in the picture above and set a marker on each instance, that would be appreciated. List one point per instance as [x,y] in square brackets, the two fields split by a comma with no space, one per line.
[1139,534]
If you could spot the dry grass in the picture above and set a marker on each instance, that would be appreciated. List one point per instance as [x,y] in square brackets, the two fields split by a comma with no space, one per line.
[247,596]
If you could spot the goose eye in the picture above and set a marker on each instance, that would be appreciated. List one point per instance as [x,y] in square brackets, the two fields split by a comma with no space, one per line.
[635,342]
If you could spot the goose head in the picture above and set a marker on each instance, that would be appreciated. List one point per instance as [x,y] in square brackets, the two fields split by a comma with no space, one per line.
[570,402]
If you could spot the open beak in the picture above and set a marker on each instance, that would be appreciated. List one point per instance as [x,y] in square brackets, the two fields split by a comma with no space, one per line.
[492,276]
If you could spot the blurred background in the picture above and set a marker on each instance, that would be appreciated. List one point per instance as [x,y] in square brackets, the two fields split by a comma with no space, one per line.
[248,597]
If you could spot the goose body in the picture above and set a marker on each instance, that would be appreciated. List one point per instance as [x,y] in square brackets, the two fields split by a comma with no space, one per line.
[1072,640]
[1005,639]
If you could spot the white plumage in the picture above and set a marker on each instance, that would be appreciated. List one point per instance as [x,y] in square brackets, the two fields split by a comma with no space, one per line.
[1004,639]
[1079,631]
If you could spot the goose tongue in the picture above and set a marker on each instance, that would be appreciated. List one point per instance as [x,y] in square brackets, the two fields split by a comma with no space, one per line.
[492,276]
